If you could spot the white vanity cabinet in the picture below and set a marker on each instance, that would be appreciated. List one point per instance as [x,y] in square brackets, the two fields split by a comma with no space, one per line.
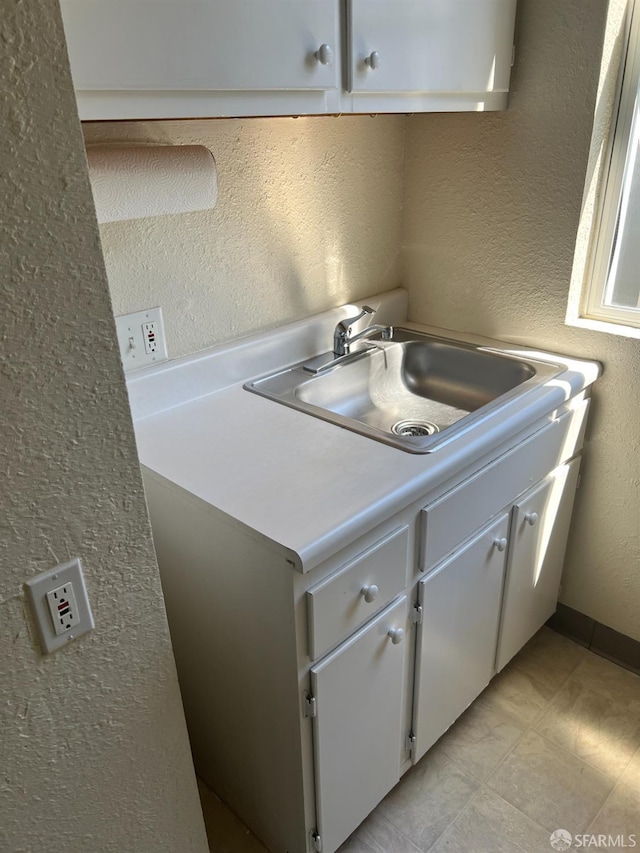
[298,747]
[197,58]
[468,628]
[309,690]
[478,606]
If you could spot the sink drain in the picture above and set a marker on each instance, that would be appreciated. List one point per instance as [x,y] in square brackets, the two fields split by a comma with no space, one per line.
[416,429]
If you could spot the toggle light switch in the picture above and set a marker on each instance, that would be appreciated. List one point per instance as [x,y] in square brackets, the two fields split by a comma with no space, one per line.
[141,338]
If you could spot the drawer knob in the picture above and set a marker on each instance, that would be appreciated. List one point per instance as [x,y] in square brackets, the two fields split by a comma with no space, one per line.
[500,544]
[324,54]
[373,60]
[370,593]
[396,634]
[531,518]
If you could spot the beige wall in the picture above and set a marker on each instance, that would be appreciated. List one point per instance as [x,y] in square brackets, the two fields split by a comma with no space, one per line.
[93,746]
[308,217]
[492,207]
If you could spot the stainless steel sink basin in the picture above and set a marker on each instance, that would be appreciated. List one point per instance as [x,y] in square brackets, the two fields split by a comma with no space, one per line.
[415,392]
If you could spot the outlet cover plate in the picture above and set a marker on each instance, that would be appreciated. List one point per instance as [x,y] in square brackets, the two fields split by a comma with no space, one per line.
[134,350]
[37,588]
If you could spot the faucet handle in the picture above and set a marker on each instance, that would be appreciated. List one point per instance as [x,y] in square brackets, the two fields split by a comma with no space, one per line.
[351,320]
[342,332]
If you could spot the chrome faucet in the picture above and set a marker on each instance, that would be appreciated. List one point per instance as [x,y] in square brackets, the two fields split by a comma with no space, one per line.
[342,337]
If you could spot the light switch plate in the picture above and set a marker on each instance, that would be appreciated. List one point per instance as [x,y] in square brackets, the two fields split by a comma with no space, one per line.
[41,590]
[141,338]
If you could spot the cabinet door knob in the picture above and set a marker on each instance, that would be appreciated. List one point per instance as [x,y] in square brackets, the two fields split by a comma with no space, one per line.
[531,518]
[324,54]
[373,60]
[396,634]
[500,544]
[370,593]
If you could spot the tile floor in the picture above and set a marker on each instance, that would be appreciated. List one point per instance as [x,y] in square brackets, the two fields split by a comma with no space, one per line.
[553,742]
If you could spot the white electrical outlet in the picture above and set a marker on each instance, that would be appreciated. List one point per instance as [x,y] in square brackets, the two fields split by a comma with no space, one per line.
[60,605]
[149,332]
[141,338]
[63,608]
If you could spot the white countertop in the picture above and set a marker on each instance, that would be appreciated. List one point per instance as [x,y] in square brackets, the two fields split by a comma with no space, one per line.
[308,485]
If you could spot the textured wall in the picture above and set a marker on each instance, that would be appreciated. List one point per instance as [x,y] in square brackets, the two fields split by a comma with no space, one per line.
[93,746]
[492,207]
[308,217]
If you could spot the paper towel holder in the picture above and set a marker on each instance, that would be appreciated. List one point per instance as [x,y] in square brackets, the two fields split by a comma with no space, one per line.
[133,181]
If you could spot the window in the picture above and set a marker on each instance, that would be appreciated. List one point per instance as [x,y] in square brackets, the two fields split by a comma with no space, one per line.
[611,285]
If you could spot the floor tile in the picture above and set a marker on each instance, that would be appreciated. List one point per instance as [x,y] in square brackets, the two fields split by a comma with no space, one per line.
[550,658]
[489,823]
[550,786]
[377,835]
[619,817]
[525,687]
[517,694]
[612,681]
[427,798]
[601,732]
[480,739]
[631,776]
[226,834]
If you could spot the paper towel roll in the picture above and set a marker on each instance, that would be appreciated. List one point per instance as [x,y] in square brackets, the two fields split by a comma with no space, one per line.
[151,180]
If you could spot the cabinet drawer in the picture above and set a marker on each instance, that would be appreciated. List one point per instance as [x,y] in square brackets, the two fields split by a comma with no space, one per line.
[347,598]
[466,508]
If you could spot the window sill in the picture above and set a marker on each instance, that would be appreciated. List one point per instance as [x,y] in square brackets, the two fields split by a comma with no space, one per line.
[610,328]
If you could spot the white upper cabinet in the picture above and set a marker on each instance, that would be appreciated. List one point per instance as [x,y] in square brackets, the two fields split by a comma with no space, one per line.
[197,58]
[442,47]
[161,58]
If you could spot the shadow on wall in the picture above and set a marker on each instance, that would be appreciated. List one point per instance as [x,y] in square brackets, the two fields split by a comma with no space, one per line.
[308,217]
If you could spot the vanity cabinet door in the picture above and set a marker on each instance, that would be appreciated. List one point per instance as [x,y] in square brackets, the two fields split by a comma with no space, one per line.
[444,46]
[539,531]
[456,640]
[358,724]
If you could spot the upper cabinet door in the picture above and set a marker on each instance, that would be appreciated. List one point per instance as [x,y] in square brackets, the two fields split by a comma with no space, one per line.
[191,45]
[442,46]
